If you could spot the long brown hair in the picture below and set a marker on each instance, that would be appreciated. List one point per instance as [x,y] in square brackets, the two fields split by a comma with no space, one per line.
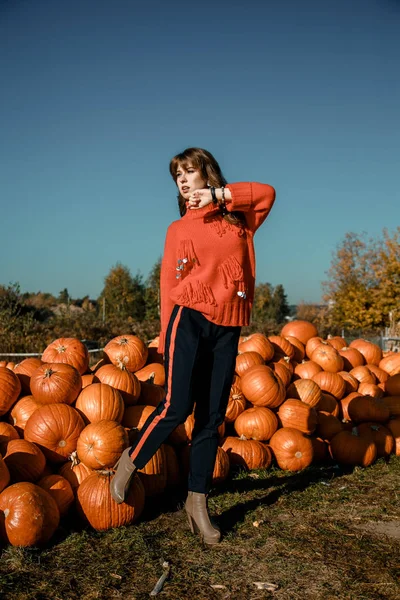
[204,161]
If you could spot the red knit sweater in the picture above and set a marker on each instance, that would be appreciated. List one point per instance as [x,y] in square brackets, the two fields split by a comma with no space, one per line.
[209,264]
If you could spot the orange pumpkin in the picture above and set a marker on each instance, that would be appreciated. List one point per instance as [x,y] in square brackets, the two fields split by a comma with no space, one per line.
[154,372]
[249,454]
[31,515]
[351,382]
[10,388]
[305,390]
[312,344]
[327,358]
[24,460]
[95,504]
[298,415]
[129,350]
[257,423]
[101,444]
[21,411]
[56,383]
[328,425]
[371,352]
[60,490]
[299,349]
[262,387]
[351,358]
[380,375]
[257,342]
[281,347]
[24,370]
[370,389]
[300,329]
[293,451]
[392,386]
[236,404]
[331,383]
[154,474]
[336,341]
[122,380]
[74,471]
[245,360]
[136,416]
[380,435]
[349,448]
[70,351]
[87,380]
[7,433]
[393,404]
[99,402]
[151,394]
[329,404]
[363,375]
[394,427]
[306,369]
[55,428]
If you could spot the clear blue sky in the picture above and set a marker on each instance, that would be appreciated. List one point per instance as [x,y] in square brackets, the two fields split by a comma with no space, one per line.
[98,95]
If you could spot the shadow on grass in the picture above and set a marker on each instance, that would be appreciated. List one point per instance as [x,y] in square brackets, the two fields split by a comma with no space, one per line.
[282,485]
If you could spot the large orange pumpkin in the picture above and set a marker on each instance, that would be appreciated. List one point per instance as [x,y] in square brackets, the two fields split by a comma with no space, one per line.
[60,489]
[10,388]
[391,364]
[25,370]
[292,449]
[24,460]
[351,358]
[298,415]
[380,435]
[257,423]
[349,448]
[371,352]
[331,383]
[305,390]
[351,382]
[236,404]
[122,380]
[249,454]
[21,411]
[299,349]
[56,383]
[55,428]
[257,342]
[245,360]
[363,374]
[300,329]
[282,347]
[69,351]
[30,515]
[262,387]
[154,474]
[7,433]
[328,358]
[101,444]
[129,350]
[99,402]
[95,504]
[365,408]
[74,471]
[154,372]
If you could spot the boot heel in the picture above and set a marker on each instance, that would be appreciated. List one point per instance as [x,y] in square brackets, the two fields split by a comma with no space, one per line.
[191,522]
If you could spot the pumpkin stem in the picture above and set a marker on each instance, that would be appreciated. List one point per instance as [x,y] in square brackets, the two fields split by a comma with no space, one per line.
[61,349]
[122,342]
[73,457]
[121,363]
[354,431]
[48,373]
[151,378]
[243,437]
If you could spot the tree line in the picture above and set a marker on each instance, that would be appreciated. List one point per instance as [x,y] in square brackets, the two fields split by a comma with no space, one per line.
[127,304]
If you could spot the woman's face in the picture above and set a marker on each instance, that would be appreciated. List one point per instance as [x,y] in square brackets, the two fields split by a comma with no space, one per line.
[189,179]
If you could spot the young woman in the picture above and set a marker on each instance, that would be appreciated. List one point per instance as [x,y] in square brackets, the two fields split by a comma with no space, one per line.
[207,288]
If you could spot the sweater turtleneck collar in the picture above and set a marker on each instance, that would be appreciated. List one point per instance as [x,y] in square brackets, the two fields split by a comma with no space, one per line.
[199,213]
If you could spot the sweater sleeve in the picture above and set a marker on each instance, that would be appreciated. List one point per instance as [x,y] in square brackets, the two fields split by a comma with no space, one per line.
[255,200]
[167,282]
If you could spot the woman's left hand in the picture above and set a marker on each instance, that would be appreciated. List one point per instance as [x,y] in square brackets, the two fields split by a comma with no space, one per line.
[200,198]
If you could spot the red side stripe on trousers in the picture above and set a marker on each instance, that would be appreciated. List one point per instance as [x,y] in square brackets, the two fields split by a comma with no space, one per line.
[168,395]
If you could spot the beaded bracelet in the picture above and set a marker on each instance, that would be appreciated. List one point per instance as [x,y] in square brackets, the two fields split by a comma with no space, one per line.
[221,203]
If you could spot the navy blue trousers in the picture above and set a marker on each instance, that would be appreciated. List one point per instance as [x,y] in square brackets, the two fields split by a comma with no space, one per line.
[199,359]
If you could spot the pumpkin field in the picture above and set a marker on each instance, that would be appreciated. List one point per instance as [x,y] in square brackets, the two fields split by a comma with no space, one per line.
[305,485]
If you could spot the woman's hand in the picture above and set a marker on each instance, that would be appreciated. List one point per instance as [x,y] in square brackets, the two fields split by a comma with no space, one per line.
[199,198]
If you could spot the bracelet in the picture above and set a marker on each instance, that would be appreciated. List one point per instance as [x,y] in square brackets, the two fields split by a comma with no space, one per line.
[223,194]
[213,195]
[221,203]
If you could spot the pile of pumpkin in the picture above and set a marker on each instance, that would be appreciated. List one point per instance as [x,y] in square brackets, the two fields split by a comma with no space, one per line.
[295,399]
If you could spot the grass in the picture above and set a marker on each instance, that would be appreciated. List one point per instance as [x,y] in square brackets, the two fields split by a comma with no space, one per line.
[324,533]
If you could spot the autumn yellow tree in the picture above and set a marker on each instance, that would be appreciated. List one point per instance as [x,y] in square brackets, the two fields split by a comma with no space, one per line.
[364,281]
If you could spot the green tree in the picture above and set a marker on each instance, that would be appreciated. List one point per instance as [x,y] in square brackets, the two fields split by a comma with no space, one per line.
[278,307]
[152,292]
[262,299]
[123,294]
[63,297]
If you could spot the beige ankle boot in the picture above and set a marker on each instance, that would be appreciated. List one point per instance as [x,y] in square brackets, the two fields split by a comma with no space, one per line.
[197,514]
[120,483]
